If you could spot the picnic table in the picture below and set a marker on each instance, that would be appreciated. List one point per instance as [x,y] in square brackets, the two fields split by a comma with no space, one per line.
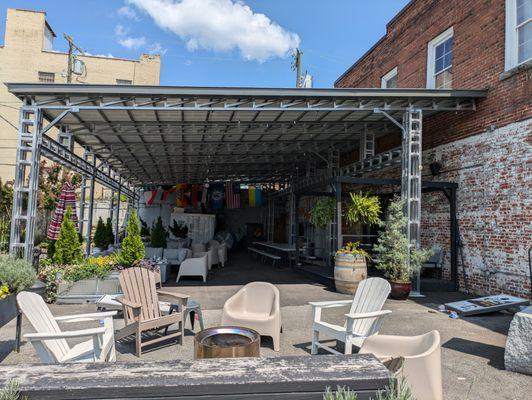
[285,250]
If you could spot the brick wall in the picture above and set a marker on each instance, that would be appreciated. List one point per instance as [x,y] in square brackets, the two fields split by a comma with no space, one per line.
[478,62]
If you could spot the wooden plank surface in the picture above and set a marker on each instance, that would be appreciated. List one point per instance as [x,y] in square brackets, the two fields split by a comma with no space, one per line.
[301,377]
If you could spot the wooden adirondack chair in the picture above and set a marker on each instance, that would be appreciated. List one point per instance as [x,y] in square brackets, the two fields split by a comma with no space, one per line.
[364,318]
[141,308]
[50,341]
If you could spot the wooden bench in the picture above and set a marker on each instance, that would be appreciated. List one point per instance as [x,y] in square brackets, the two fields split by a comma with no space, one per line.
[275,258]
[275,378]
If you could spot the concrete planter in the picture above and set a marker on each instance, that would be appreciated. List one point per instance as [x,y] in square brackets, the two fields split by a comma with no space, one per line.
[8,309]
[88,290]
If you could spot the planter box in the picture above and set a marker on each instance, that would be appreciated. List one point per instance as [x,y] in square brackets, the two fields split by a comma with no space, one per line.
[8,309]
[88,290]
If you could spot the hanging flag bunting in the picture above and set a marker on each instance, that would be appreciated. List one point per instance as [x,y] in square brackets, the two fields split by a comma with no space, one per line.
[166,193]
[66,199]
[232,195]
[244,197]
[204,194]
[150,196]
[251,195]
[258,196]
[196,189]
[216,191]
[183,195]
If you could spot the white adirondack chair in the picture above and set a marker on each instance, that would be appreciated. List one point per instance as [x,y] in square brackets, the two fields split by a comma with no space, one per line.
[364,318]
[50,341]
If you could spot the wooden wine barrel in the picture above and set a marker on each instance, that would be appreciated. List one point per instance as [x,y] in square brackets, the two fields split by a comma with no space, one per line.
[348,272]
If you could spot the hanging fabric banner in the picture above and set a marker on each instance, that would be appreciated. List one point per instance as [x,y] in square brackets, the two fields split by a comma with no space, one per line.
[204,191]
[183,195]
[232,195]
[258,196]
[251,196]
[150,196]
[196,189]
[216,191]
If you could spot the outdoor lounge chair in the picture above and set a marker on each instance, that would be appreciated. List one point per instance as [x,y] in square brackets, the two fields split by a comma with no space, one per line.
[421,360]
[140,304]
[364,318]
[176,256]
[50,341]
[256,306]
[212,258]
[153,252]
[195,266]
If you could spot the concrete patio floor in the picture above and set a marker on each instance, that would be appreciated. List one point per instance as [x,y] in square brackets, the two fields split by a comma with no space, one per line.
[472,348]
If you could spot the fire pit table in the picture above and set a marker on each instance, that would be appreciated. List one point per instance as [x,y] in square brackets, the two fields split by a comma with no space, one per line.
[226,342]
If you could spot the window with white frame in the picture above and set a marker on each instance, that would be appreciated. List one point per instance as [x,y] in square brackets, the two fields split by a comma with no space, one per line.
[518,44]
[440,61]
[389,80]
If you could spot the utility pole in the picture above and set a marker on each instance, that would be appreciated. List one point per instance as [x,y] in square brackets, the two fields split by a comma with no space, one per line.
[71,48]
[296,66]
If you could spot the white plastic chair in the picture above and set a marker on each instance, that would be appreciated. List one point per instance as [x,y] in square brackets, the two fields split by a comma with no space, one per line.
[421,360]
[50,341]
[153,252]
[222,254]
[256,306]
[196,266]
[364,318]
[176,256]
[212,258]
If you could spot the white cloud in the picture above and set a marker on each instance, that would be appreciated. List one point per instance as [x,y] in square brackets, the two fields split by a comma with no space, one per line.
[132,43]
[120,30]
[156,48]
[128,12]
[221,25]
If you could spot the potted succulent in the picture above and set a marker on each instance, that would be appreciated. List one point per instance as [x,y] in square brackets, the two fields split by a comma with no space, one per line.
[15,275]
[399,261]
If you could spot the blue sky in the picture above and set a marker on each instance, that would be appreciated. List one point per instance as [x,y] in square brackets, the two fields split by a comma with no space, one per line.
[210,42]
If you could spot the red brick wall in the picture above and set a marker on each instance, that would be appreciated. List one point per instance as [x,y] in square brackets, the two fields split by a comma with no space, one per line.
[478,62]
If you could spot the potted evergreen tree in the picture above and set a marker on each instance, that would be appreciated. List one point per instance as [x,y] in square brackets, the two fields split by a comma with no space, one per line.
[68,248]
[109,235]
[158,234]
[132,247]
[100,239]
[396,257]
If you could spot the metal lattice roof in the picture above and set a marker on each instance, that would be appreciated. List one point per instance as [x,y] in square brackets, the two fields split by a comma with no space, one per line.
[164,135]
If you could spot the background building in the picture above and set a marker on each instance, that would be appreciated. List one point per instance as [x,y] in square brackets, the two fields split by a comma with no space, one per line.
[475,44]
[28,56]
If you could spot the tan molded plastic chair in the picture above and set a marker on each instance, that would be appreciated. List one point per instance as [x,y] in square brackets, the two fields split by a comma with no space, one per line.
[364,318]
[256,306]
[140,304]
[422,360]
[50,341]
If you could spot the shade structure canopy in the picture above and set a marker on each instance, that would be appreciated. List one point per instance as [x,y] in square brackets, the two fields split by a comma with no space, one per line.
[157,135]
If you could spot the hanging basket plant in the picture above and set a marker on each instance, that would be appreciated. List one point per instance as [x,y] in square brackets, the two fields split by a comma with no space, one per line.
[363,209]
[322,213]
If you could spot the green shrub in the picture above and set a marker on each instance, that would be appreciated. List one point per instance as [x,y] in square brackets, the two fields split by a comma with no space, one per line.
[100,238]
[158,234]
[341,393]
[323,212]
[11,392]
[68,248]
[132,246]
[397,259]
[109,235]
[15,273]
[363,208]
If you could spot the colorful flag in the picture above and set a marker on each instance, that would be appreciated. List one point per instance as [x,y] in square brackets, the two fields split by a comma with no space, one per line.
[251,195]
[183,195]
[216,193]
[195,194]
[232,195]
[204,194]
[258,196]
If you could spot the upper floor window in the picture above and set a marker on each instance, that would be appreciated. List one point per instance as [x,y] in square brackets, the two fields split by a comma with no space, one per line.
[440,61]
[123,82]
[518,46]
[389,80]
[46,77]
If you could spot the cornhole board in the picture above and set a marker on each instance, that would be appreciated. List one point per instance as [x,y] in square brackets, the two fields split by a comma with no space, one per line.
[487,304]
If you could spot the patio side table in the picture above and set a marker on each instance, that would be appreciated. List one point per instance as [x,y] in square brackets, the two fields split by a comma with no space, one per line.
[191,309]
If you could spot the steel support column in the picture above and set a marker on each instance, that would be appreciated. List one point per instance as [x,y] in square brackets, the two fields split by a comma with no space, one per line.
[292,226]
[296,226]
[92,181]
[411,181]
[455,239]
[338,216]
[26,182]
[117,216]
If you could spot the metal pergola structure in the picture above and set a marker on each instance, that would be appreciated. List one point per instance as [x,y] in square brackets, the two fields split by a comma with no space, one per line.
[139,136]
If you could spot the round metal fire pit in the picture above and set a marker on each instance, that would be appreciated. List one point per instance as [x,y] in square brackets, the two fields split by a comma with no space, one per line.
[226,342]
